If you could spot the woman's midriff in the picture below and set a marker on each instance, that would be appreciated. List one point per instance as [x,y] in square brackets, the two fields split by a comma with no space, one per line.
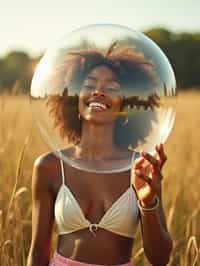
[105,248]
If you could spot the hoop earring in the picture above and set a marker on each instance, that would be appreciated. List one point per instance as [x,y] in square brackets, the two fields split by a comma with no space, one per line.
[125,121]
[79,116]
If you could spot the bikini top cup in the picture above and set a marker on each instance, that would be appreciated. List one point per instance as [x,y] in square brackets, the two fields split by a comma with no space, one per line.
[121,218]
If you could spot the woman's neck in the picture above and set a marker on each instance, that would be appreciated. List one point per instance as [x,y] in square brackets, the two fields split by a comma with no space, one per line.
[96,141]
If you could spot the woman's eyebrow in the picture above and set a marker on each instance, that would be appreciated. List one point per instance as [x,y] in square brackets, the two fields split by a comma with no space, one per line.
[113,80]
[91,77]
[110,80]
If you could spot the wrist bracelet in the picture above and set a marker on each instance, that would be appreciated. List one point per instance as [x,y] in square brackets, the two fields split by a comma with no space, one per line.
[143,209]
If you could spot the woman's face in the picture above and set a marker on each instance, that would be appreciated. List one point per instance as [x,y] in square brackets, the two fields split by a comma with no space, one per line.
[100,96]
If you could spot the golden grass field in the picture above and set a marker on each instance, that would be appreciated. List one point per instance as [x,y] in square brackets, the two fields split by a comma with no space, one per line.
[20,144]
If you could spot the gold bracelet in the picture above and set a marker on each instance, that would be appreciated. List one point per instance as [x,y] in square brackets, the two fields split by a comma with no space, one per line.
[143,209]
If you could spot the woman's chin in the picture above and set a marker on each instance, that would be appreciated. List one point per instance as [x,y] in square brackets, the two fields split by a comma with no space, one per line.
[99,120]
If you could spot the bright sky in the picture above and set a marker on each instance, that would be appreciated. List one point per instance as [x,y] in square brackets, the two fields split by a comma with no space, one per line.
[33,25]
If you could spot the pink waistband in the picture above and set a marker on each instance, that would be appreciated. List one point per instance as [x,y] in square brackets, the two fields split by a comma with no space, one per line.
[59,260]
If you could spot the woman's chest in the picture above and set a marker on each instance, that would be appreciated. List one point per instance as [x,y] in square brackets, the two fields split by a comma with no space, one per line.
[93,193]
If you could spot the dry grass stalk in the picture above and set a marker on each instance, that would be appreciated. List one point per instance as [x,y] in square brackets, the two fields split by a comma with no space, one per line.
[191,218]
[172,209]
[18,173]
[138,253]
[192,245]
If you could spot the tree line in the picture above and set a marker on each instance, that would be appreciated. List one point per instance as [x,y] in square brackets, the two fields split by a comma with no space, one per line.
[182,50]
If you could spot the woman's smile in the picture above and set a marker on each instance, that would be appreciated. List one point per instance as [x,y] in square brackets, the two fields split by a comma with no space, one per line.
[100,94]
[97,106]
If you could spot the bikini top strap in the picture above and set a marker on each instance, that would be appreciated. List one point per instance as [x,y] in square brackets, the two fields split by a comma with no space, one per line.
[62,171]
[134,156]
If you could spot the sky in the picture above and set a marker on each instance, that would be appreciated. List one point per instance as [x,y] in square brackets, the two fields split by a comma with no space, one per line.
[33,26]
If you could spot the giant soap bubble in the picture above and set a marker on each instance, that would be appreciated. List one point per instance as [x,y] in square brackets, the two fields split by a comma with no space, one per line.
[102,94]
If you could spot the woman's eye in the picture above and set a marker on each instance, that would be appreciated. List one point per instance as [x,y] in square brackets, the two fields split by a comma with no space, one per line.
[112,90]
[89,87]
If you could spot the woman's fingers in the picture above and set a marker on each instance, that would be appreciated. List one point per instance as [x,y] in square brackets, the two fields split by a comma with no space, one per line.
[141,175]
[161,154]
[155,166]
[138,163]
[157,174]
[162,157]
[153,161]
[147,179]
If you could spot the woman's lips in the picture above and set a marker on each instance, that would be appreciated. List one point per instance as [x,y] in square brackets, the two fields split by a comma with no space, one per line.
[98,106]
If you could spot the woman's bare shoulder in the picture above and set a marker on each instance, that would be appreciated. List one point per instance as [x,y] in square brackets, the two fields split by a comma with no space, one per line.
[45,159]
[46,166]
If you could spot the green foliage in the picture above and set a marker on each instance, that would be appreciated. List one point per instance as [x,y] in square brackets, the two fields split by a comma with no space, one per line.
[16,71]
[183,51]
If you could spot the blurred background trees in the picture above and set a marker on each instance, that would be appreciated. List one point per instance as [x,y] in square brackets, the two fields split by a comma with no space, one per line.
[182,49]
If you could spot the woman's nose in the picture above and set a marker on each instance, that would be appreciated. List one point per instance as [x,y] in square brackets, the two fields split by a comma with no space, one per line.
[98,92]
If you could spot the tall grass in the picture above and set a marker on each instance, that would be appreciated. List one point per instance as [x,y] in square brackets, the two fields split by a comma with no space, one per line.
[20,144]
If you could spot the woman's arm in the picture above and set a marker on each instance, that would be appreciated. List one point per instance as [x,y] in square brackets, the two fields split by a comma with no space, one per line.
[147,181]
[42,214]
[156,238]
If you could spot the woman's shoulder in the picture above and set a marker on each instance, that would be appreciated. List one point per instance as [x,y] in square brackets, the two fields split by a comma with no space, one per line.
[46,165]
[45,159]
[44,178]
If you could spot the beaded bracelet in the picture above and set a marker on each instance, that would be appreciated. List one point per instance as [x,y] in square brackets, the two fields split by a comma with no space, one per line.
[143,209]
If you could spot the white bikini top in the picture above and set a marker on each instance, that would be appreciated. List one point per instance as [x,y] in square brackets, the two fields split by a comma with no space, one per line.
[121,218]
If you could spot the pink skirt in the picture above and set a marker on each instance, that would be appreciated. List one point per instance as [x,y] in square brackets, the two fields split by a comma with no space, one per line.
[59,260]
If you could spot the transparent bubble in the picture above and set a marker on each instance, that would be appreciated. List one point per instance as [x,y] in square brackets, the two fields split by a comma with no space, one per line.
[102,94]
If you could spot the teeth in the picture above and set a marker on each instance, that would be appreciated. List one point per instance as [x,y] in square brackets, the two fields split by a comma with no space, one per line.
[96,104]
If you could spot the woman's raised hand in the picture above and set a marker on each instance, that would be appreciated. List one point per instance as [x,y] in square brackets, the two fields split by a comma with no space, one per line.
[147,178]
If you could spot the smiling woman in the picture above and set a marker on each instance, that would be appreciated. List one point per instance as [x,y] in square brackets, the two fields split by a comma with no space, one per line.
[100,102]
[102,79]
[100,96]
[97,213]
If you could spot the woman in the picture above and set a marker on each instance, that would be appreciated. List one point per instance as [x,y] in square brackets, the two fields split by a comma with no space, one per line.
[97,213]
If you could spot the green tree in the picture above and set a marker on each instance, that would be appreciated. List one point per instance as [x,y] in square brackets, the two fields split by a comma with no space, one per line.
[16,68]
[183,51]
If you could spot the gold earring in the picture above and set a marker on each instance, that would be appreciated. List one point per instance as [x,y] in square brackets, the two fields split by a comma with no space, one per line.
[125,121]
